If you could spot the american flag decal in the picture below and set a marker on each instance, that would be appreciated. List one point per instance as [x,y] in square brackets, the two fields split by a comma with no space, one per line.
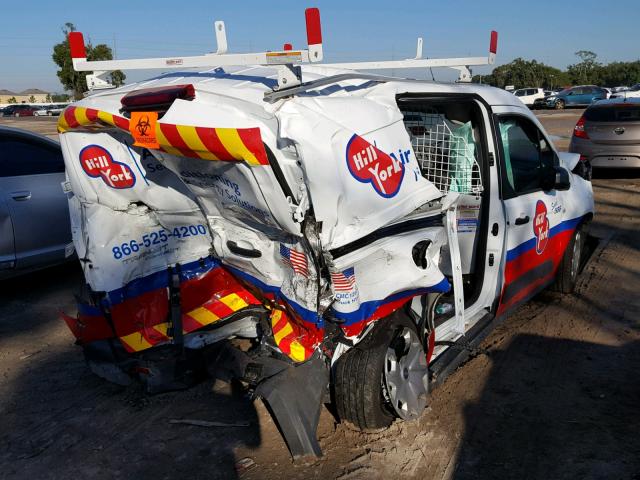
[296,260]
[344,281]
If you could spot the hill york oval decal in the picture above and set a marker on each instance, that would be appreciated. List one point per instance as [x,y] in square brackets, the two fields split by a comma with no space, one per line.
[97,162]
[368,164]
[541,227]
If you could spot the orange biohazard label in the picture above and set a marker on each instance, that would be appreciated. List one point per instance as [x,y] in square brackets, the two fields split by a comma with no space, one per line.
[143,129]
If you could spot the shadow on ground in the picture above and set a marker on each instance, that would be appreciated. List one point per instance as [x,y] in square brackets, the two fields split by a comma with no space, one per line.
[580,422]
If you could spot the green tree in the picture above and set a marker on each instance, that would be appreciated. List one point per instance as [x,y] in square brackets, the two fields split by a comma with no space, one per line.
[32,99]
[12,100]
[60,97]
[48,98]
[525,73]
[616,74]
[587,71]
[76,81]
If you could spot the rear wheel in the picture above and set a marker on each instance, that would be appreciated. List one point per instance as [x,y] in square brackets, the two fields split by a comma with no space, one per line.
[567,275]
[17,114]
[559,105]
[383,377]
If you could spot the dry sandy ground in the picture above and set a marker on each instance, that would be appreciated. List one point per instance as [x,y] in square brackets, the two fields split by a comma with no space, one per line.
[554,393]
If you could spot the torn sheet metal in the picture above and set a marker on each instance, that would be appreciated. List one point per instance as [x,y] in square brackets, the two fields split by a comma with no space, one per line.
[359,164]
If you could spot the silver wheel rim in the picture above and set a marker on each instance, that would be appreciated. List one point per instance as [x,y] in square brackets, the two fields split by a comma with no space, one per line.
[406,375]
[575,258]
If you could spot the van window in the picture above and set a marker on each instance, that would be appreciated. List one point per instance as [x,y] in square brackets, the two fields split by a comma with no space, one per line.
[526,156]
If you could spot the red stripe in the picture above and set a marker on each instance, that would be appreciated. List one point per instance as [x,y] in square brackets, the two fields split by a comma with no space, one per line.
[190,324]
[92,114]
[153,336]
[285,343]
[211,141]
[70,117]
[253,141]
[247,297]
[121,122]
[280,324]
[175,140]
[219,309]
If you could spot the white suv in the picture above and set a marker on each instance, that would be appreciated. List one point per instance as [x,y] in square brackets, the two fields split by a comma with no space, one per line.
[529,95]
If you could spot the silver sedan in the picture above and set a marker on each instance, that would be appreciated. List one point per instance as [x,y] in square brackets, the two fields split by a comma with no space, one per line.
[608,134]
[35,229]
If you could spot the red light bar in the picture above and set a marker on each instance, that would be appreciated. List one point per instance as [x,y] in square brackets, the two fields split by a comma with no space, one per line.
[493,45]
[158,98]
[76,45]
[314,31]
[287,47]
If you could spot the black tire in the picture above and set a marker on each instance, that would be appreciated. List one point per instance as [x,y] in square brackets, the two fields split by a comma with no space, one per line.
[559,105]
[569,267]
[358,391]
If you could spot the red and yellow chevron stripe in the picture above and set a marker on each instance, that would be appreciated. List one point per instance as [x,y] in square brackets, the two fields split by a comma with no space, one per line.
[225,144]
[206,314]
[289,338]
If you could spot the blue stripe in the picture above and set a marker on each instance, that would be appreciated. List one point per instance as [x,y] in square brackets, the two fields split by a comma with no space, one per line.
[89,310]
[309,316]
[368,308]
[531,243]
[160,279]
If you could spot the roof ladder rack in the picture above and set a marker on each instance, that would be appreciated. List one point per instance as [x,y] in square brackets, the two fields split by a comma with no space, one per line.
[285,61]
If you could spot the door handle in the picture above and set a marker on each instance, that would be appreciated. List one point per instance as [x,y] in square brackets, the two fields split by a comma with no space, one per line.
[522,220]
[243,252]
[21,196]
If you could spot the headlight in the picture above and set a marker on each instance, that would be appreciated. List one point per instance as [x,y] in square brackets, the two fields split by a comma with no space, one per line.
[551,99]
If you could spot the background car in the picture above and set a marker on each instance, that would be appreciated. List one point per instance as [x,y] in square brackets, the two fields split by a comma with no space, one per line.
[529,95]
[35,229]
[608,134]
[633,92]
[19,110]
[580,96]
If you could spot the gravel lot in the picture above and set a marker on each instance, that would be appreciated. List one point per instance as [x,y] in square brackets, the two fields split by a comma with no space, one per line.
[553,394]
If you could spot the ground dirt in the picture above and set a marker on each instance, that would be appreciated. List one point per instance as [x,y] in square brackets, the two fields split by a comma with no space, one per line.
[553,393]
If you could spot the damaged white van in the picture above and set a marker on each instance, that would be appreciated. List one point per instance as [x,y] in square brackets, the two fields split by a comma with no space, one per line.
[322,234]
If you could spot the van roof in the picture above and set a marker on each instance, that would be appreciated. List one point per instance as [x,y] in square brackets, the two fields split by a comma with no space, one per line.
[252,83]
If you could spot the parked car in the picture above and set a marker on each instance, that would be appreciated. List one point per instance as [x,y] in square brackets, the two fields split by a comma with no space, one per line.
[529,95]
[42,111]
[50,110]
[580,96]
[633,92]
[19,110]
[330,221]
[34,213]
[608,134]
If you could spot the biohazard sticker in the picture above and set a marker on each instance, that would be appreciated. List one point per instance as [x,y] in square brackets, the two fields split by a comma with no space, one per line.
[143,129]
[541,227]
[368,164]
[97,162]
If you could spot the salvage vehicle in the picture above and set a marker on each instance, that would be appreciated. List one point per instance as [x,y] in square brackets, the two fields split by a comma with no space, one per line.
[320,233]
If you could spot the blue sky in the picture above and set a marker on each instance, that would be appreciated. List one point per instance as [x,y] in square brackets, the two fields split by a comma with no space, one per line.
[549,31]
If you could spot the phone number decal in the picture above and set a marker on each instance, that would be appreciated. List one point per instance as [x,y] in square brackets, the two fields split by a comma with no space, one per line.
[159,237]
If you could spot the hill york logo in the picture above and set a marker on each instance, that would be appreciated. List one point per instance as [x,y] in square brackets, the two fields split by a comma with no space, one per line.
[541,227]
[97,162]
[368,164]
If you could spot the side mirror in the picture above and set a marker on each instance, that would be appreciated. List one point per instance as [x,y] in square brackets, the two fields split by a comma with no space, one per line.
[557,178]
